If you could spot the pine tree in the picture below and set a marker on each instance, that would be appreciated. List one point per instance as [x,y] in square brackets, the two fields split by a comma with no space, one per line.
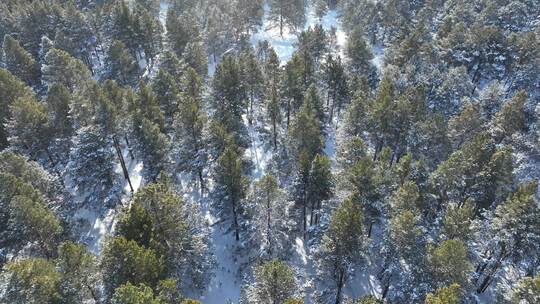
[515,232]
[511,118]
[253,80]
[78,268]
[464,126]
[359,54]
[250,14]
[180,31]
[407,198]
[19,62]
[477,171]
[149,32]
[26,218]
[269,213]
[293,86]
[190,142]
[59,67]
[91,167]
[33,280]
[77,36]
[196,58]
[273,110]
[336,84]
[232,183]
[321,185]
[287,14]
[406,234]
[131,294]
[305,134]
[121,66]
[445,295]
[58,101]
[450,263]
[125,261]
[167,93]
[160,220]
[342,245]
[527,291]
[11,88]
[230,97]
[28,127]
[274,283]
[457,222]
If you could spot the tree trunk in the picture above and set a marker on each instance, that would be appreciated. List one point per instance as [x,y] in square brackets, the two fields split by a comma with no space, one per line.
[235,218]
[129,147]
[268,225]
[340,283]
[201,181]
[274,130]
[122,162]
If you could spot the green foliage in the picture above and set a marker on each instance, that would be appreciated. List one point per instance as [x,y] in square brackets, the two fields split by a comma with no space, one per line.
[274,282]
[405,233]
[368,300]
[28,127]
[457,222]
[11,89]
[33,281]
[121,66]
[79,269]
[445,295]
[130,294]
[126,261]
[59,67]
[19,62]
[527,291]
[450,263]
[517,221]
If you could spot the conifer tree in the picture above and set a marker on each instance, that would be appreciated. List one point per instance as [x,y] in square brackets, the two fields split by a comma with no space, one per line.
[190,141]
[287,14]
[450,263]
[405,234]
[274,283]
[126,261]
[11,88]
[342,246]
[28,127]
[58,101]
[232,183]
[160,220]
[445,295]
[359,54]
[91,167]
[274,113]
[320,186]
[511,118]
[79,270]
[230,97]
[527,290]
[270,216]
[33,280]
[121,66]
[59,67]
[336,83]
[19,62]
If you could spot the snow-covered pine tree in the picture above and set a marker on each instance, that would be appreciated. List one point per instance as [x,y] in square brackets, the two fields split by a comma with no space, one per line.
[268,209]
